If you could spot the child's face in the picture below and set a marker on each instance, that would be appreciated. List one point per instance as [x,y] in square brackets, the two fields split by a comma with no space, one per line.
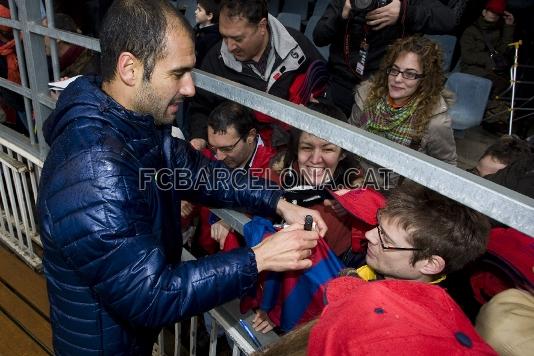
[201,16]
[490,16]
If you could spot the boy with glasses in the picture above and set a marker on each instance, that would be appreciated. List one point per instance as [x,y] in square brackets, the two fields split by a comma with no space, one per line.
[419,234]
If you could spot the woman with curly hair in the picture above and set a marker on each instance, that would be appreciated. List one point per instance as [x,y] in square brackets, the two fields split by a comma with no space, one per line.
[406,102]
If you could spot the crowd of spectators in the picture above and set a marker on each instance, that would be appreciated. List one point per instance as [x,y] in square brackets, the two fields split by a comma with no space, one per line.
[389,80]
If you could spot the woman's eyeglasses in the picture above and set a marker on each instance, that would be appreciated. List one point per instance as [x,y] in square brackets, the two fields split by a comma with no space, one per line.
[407,74]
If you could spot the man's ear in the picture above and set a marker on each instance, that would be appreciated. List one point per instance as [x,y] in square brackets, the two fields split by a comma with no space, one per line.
[433,265]
[251,135]
[129,69]
[210,16]
[263,25]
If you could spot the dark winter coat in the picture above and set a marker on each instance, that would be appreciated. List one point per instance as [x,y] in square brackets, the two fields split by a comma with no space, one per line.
[294,53]
[205,38]
[111,238]
[428,16]
[475,55]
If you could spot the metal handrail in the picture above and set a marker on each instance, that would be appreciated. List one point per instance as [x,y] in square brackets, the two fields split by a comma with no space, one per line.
[500,203]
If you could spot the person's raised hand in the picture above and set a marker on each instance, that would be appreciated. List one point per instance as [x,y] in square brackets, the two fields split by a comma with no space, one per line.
[261,322]
[198,143]
[286,250]
[219,232]
[508,18]
[384,16]
[186,208]
[296,214]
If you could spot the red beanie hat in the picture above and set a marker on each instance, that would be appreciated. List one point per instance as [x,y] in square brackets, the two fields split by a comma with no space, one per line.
[392,317]
[496,6]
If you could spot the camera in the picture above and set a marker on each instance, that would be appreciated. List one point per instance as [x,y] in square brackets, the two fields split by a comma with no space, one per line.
[367,5]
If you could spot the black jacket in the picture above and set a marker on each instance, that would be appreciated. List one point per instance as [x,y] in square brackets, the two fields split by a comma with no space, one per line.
[205,39]
[214,62]
[112,239]
[428,16]
[475,57]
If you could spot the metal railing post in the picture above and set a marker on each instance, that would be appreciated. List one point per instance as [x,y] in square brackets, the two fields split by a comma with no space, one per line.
[36,63]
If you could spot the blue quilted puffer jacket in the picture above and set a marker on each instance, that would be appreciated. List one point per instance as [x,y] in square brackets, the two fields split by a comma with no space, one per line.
[112,250]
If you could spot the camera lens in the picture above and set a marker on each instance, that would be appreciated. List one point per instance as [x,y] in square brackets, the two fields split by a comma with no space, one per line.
[361,4]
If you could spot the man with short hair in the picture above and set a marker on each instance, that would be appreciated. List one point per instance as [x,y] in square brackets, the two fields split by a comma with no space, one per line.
[233,137]
[234,140]
[507,150]
[257,51]
[419,235]
[111,239]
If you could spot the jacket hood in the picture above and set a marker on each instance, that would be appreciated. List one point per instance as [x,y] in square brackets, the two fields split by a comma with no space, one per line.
[83,98]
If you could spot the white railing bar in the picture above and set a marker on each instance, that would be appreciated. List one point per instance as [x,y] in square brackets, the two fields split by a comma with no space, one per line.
[70,37]
[500,203]
[161,342]
[35,237]
[21,57]
[219,314]
[235,350]
[213,338]
[177,338]
[9,185]
[46,100]
[10,23]
[29,206]
[7,205]
[193,336]
[13,163]
[19,143]
[235,219]
[23,212]
[14,87]
[32,261]
[49,10]
[33,182]
[2,203]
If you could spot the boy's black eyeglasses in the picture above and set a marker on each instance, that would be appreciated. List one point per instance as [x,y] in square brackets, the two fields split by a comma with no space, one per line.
[381,232]
[407,74]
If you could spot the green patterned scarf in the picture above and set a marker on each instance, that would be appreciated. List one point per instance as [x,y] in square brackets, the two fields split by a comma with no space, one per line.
[395,124]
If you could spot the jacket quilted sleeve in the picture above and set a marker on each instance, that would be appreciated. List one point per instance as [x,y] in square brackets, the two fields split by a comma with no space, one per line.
[214,185]
[103,227]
